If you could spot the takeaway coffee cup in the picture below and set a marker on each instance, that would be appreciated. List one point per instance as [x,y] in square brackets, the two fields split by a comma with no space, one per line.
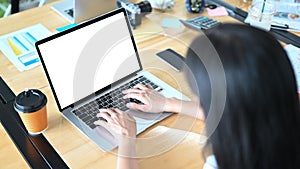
[31,106]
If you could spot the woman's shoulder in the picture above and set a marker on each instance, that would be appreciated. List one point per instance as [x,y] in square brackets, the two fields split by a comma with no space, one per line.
[210,163]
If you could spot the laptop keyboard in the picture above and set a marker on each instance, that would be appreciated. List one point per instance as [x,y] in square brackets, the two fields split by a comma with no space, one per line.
[87,113]
[70,12]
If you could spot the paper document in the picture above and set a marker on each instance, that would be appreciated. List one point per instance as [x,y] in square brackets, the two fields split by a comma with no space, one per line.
[294,56]
[287,15]
[19,47]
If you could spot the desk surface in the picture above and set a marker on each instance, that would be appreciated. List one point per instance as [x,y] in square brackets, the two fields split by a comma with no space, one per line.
[77,150]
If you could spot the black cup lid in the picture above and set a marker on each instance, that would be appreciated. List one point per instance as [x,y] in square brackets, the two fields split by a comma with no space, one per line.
[30,101]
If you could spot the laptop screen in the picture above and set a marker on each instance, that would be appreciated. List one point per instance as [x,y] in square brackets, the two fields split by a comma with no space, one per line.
[89,57]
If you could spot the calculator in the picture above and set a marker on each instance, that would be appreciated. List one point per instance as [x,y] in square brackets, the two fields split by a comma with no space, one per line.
[200,22]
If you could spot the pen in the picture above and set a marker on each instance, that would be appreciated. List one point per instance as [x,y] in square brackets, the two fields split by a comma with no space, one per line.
[285,28]
[230,12]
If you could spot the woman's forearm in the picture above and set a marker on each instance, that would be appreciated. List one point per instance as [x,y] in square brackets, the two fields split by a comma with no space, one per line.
[184,107]
[127,154]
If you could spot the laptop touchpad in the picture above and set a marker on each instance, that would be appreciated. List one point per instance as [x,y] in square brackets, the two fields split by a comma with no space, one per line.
[106,134]
[146,116]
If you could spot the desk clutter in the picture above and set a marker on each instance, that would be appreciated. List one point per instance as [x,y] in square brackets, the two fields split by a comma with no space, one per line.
[281,15]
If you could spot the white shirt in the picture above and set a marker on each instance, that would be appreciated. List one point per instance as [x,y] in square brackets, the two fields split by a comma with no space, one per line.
[210,163]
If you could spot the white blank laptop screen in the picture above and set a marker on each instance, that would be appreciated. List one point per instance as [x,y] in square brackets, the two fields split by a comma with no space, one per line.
[83,61]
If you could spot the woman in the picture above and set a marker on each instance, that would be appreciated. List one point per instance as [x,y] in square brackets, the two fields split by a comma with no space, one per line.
[260,124]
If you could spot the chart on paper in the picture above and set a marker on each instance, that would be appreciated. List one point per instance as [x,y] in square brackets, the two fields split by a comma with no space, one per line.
[19,47]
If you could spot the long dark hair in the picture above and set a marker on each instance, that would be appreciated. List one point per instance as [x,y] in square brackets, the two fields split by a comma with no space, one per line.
[260,125]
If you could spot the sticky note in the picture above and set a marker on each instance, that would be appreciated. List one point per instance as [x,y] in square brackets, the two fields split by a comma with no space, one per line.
[66,27]
[171,23]
[219,11]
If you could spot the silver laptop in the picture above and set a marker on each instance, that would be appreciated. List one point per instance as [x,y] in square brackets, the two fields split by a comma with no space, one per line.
[77,11]
[89,65]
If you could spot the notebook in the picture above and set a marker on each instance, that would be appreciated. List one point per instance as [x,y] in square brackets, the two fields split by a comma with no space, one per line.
[87,67]
[77,11]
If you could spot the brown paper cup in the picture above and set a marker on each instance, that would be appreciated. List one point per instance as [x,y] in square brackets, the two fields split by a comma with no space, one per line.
[31,105]
[35,122]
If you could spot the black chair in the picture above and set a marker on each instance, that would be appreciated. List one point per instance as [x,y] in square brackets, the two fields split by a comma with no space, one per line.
[17,6]
[14,6]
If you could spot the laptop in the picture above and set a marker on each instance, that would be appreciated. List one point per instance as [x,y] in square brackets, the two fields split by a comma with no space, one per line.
[77,11]
[88,66]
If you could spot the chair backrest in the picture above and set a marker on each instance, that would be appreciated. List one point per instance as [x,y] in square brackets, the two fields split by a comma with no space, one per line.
[21,5]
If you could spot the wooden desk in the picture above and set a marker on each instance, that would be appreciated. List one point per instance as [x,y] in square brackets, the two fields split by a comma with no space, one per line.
[77,150]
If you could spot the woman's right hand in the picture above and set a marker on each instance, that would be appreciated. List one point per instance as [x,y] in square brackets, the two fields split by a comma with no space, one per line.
[153,102]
